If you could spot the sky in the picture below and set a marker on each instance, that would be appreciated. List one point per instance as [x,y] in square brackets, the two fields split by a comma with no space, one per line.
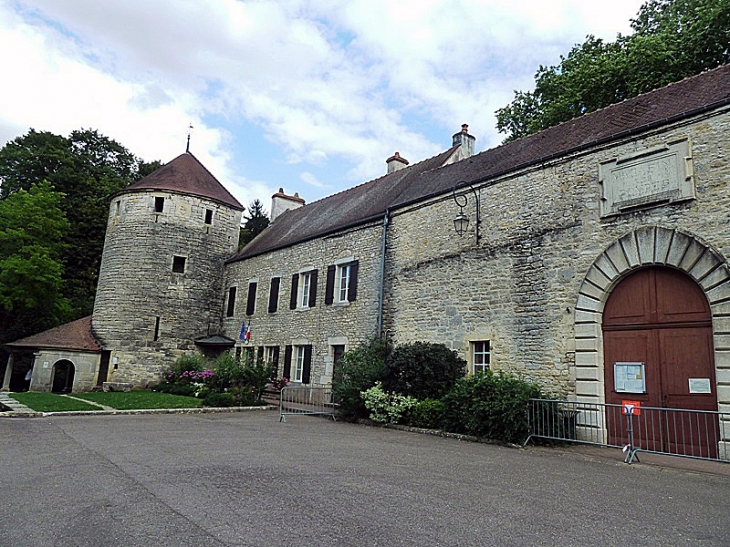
[311,96]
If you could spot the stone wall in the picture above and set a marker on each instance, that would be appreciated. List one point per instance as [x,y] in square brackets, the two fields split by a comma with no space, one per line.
[145,313]
[542,230]
[322,326]
[86,366]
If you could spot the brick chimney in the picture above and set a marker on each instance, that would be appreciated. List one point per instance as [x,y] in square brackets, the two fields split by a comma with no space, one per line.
[465,141]
[395,163]
[280,203]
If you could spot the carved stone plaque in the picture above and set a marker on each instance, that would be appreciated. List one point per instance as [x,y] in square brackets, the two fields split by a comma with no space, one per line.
[653,177]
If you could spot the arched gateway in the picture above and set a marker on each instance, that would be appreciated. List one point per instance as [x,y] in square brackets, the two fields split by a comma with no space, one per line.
[661,297]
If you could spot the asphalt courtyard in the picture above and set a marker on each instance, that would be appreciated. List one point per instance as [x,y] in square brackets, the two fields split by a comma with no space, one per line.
[246,479]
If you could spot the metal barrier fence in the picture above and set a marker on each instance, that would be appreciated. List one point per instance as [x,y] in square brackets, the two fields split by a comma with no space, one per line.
[699,434]
[306,400]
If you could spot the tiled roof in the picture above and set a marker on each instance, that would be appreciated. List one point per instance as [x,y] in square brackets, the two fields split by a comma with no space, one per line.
[680,100]
[347,208]
[76,335]
[185,174]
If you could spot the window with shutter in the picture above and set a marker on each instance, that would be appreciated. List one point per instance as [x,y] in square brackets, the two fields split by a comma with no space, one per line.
[231,307]
[251,300]
[294,290]
[287,363]
[274,294]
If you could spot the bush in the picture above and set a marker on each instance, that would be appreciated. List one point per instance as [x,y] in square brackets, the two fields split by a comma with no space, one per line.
[358,371]
[228,372]
[257,373]
[426,414]
[179,371]
[489,406]
[386,408]
[423,370]
[216,399]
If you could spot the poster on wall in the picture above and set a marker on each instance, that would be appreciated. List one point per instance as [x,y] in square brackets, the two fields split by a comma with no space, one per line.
[629,377]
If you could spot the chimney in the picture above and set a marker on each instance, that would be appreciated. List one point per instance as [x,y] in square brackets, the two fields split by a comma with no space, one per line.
[395,163]
[465,141]
[280,203]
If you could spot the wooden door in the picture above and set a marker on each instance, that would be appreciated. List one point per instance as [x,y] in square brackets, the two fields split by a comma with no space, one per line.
[660,317]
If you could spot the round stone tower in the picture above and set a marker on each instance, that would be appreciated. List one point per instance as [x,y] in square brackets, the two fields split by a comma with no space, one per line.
[160,281]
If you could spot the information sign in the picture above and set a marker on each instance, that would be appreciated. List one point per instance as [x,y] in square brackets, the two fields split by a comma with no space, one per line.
[629,378]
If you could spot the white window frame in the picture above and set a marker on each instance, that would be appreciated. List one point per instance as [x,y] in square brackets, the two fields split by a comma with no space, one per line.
[298,364]
[343,282]
[269,354]
[305,281]
[481,355]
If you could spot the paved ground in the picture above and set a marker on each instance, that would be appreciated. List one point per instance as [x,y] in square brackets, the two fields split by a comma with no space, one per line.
[245,479]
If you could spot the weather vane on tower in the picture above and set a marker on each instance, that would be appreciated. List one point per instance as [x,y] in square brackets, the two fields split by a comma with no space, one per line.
[190,129]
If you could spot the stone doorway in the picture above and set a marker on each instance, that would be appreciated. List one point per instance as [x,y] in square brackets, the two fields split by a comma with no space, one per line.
[63,376]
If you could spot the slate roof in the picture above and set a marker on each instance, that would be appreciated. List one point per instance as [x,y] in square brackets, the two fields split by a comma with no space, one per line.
[76,335]
[674,102]
[186,175]
[351,207]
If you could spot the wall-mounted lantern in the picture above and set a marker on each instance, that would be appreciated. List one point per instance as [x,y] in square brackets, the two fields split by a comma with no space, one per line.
[461,222]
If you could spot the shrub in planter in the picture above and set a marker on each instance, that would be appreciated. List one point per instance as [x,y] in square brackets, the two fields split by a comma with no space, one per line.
[489,406]
[422,370]
[358,371]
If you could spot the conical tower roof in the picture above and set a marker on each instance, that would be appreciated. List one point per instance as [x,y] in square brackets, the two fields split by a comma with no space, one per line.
[186,175]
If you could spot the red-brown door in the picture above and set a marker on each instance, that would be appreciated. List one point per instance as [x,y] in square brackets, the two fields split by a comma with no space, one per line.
[660,317]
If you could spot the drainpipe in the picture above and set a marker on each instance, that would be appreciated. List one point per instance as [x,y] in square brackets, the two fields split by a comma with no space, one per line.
[382,273]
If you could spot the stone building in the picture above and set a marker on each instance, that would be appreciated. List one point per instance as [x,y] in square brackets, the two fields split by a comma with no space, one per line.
[597,242]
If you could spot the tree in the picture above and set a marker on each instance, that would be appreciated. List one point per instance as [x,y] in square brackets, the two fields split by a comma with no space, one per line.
[672,39]
[256,220]
[86,169]
[32,228]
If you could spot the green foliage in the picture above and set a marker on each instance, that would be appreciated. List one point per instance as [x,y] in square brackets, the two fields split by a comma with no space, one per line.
[257,373]
[32,227]
[489,406]
[386,408]
[422,370]
[672,39]
[358,371]
[216,399]
[256,220]
[228,372]
[426,414]
[85,169]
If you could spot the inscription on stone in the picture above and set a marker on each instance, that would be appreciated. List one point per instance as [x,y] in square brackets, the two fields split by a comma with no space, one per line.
[651,178]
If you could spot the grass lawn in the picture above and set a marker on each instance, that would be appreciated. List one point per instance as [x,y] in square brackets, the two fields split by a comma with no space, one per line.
[138,400]
[133,400]
[50,402]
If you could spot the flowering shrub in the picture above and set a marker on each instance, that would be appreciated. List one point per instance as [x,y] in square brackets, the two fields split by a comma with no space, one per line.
[198,377]
[386,407]
[279,383]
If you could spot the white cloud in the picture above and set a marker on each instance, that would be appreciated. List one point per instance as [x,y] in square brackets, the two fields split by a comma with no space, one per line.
[321,79]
